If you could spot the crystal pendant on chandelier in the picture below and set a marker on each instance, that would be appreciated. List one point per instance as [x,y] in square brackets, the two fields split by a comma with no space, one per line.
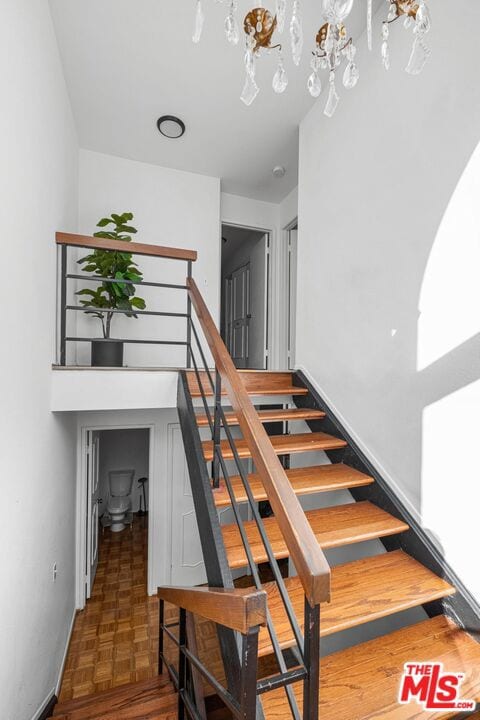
[370,24]
[335,11]
[385,50]
[420,52]
[280,79]
[281,11]
[296,33]
[333,98]
[314,84]
[351,74]
[199,20]
[250,90]
[231,26]
[418,58]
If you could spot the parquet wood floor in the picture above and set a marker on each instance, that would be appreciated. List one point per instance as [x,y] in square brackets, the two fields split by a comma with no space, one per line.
[115,638]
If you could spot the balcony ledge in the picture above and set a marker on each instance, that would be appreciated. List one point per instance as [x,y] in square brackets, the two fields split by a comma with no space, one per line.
[85,388]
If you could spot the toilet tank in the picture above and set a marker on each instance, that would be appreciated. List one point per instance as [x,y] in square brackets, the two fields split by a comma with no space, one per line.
[120,482]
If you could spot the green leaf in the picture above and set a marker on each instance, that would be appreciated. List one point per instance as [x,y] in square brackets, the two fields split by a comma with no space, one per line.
[138,303]
[104,222]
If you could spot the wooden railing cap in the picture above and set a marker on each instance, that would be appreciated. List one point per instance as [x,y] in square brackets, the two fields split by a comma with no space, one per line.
[238,609]
[93,243]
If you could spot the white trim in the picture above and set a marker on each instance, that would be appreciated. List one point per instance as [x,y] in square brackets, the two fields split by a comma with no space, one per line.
[80,539]
[43,706]
[65,654]
[374,460]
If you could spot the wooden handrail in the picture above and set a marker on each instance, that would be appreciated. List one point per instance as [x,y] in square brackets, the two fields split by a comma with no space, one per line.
[241,609]
[310,562]
[135,248]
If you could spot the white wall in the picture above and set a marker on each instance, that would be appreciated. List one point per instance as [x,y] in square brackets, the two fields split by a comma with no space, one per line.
[38,187]
[172,208]
[88,389]
[377,184]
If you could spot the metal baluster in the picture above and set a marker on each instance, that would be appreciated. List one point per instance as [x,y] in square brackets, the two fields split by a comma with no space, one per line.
[217,430]
[311,687]
[63,305]
[182,664]
[161,620]
[248,688]
[189,319]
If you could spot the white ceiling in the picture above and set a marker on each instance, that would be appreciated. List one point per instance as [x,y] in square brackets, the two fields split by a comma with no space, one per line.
[129,61]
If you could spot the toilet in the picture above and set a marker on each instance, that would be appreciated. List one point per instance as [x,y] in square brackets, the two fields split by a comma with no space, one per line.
[119,504]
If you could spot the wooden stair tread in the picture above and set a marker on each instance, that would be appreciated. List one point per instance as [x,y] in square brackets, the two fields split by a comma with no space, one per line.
[163,708]
[304,481]
[265,391]
[256,382]
[362,591]
[133,695]
[333,526]
[288,415]
[362,682]
[282,444]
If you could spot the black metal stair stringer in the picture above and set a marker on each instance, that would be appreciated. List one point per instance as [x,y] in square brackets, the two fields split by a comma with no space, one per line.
[213,548]
[462,606]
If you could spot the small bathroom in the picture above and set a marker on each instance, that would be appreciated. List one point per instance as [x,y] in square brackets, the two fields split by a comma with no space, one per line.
[123,469]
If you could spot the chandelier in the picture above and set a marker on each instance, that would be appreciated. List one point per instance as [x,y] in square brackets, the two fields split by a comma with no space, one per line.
[264,31]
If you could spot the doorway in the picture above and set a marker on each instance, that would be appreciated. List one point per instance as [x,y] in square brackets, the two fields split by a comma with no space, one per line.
[114,498]
[245,283]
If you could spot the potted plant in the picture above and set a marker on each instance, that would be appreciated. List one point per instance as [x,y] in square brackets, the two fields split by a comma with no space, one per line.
[113,294]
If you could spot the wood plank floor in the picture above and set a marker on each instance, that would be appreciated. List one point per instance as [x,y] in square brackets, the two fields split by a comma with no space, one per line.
[115,638]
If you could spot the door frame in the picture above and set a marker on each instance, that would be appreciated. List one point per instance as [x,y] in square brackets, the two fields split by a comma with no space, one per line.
[269,232]
[81,504]
[291,304]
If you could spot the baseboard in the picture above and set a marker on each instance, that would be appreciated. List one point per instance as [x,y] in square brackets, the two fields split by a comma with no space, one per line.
[46,709]
[365,450]
[65,654]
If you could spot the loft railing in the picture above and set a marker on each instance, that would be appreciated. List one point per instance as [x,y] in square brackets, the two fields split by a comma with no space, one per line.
[304,550]
[241,610]
[67,240]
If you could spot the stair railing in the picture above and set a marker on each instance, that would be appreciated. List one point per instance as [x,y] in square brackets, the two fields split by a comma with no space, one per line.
[241,610]
[303,547]
[66,241]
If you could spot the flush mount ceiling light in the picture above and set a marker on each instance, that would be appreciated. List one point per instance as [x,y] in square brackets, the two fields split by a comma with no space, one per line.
[332,45]
[171,126]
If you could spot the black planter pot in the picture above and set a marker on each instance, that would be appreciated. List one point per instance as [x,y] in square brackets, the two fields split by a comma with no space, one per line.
[107,353]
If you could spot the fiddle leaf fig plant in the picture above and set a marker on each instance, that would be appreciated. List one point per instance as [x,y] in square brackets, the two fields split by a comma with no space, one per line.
[116,267]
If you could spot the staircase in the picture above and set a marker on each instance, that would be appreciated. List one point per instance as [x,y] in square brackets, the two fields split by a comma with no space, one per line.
[358,683]
[272,595]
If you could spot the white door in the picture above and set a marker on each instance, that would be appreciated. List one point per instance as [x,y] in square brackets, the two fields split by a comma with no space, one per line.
[187,566]
[93,502]
[292,295]
[239,312]
[258,305]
